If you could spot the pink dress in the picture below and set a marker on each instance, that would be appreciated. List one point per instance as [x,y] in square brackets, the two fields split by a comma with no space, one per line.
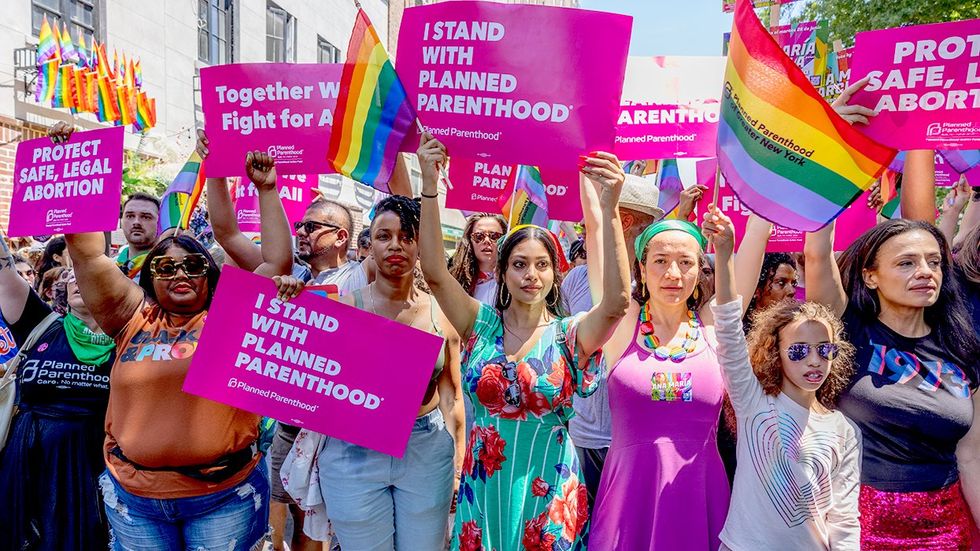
[663,485]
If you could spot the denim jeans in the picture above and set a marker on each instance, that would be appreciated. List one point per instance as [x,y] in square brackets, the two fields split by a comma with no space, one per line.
[379,503]
[235,519]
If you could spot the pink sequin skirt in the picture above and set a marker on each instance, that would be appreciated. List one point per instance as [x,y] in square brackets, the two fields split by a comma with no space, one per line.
[906,521]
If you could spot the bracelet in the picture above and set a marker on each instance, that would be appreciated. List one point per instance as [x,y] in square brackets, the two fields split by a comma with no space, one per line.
[436,196]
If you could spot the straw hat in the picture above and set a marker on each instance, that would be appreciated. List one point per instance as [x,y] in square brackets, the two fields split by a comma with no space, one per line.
[641,195]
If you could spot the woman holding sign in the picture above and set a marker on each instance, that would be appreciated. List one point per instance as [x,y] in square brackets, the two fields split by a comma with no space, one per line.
[521,483]
[914,391]
[51,461]
[183,471]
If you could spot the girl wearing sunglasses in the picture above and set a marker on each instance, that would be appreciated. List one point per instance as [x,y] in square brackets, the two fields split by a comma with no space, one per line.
[182,472]
[796,484]
[474,263]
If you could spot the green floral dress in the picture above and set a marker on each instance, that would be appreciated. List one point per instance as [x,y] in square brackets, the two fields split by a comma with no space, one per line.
[520,487]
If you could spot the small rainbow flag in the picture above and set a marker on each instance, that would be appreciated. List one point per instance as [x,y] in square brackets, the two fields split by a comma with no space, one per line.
[47,44]
[893,208]
[146,116]
[127,105]
[891,180]
[528,204]
[182,195]
[669,183]
[374,117]
[68,52]
[47,78]
[80,90]
[787,155]
[82,50]
[108,103]
[961,160]
[64,95]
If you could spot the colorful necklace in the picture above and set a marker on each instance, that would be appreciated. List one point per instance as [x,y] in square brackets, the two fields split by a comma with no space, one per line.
[675,353]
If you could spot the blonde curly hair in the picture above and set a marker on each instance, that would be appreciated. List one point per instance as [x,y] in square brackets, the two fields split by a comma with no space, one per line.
[764,345]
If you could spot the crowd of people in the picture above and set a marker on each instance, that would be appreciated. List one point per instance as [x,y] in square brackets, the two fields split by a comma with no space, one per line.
[643,388]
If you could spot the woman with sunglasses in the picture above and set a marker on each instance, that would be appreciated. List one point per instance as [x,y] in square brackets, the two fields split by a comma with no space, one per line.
[474,263]
[50,464]
[521,484]
[914,391]
[183,472]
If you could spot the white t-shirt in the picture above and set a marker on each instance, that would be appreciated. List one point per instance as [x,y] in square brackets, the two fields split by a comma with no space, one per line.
[486,292]
[798,476]
[347,277]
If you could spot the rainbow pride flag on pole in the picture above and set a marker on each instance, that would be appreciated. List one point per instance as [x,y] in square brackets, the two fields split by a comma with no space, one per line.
[528,204]
[64,88]
[374,117]
[47,78]
[47,43]
[787,155]
[181,197]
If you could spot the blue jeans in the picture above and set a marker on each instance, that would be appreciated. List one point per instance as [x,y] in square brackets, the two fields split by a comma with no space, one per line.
[235,519]
[379,503]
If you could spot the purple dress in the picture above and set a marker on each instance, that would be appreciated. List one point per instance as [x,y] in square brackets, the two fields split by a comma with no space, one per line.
[663,485]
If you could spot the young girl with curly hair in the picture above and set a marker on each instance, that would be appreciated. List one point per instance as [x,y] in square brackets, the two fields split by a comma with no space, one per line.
[798,475]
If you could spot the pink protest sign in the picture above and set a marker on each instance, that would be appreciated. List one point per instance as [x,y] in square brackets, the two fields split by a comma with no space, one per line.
[806,43]
[285,109]
[973,176]
[295,191]
[70,187]
[854,221]
[486,80]
[925,84]
[478,185]
[670,107]
[561,187]
[312,362]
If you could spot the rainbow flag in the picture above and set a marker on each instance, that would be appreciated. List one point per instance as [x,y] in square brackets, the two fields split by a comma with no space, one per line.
[68,52]
[102,61]
[47,78]
[374,117]
[64,89]
[80,90]
[146,116]
[890,182]
[127,105]
[108,103]
[669,183]
[82,51]
[787,155]
[528,204]
[47,44]
[893,208]
[961,160]
[182,195]
[138,74]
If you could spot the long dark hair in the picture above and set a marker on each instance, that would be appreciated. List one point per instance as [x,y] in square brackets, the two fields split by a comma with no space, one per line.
[948,318]
[56,245]
[464,265]
[703,289]
[190,245]
[770,264]
[553,301]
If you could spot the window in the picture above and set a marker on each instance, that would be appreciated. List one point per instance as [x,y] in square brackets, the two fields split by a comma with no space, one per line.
[280,35]
[82,17]
[215,31]
[326,52]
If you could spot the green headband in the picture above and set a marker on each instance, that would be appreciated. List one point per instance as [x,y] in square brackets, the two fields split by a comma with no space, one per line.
[668,225]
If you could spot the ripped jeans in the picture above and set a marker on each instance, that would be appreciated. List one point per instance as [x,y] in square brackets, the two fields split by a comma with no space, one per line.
[236,519]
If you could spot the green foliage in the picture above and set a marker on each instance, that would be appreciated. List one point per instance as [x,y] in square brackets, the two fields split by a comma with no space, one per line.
[138,175]
[848,17]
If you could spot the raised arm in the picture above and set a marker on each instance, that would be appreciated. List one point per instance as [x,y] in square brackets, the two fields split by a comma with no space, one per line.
[952,207]
[918,200]
[971,219]
[459,307]
[748,261]
[13,289]
[239,248]
[111,296]
[277,249]
[592,216]
[604,171]
[823,281]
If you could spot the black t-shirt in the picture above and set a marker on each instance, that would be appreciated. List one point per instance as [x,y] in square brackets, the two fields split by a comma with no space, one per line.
[50,376]
[971,295]
[913,404]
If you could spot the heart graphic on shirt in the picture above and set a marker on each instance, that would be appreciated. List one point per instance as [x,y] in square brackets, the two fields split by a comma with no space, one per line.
[794,468]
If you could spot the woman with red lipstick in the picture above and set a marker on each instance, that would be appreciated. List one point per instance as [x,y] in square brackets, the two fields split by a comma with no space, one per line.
[521,485]
[182,472]
[376,502]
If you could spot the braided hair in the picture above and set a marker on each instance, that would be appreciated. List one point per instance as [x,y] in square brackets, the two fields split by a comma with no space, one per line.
[408,211]
[464,265]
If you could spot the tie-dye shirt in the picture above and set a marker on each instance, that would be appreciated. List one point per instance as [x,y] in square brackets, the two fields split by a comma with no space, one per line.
[797,481]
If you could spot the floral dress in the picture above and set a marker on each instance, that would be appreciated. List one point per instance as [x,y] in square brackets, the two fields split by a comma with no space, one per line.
[521,486]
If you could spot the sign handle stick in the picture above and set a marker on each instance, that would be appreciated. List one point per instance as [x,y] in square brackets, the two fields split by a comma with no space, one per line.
[442,169]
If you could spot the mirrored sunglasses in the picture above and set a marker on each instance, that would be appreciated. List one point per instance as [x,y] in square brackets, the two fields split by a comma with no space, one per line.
[799,351]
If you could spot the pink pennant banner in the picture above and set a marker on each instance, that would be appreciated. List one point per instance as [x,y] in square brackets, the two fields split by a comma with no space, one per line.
[284,109]
[69,187]
[925,84]
[486,81]
[312,362]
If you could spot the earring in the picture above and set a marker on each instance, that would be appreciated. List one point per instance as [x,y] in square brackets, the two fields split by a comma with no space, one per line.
[696,294]
[553,303]
[503,297]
